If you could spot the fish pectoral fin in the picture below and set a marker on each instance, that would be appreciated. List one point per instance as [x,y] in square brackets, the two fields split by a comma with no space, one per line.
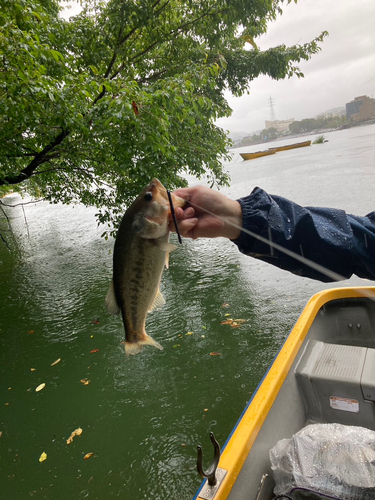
[132,348]
[158,301]
[111,302]
[165,246]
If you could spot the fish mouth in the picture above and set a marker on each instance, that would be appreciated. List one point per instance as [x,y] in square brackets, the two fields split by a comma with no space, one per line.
[157,188]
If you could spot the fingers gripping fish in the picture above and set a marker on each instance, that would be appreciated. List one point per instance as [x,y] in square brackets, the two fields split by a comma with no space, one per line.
[141,251]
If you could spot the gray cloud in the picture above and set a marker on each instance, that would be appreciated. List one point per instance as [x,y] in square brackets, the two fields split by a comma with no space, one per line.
[342,70]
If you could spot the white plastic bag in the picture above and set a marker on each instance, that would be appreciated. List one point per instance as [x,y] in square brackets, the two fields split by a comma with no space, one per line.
[328,459]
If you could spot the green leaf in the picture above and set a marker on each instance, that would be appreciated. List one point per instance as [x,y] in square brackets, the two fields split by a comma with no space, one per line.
[56,55]
[127,92]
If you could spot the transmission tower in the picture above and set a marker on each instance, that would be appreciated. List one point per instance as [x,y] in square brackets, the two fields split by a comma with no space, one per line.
[271,105]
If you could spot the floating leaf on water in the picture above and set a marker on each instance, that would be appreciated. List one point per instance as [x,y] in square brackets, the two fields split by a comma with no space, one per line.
[94,350]
[85,381]
[176,345]
[43,457]
[206,409]
[189,333]
[234,323]
[227,314]
[88,455]
[95,321]
[40,387]
[30,332]
[228,321]
[225,305]
[76,432]
[215,353]
[33,369]
[55,362]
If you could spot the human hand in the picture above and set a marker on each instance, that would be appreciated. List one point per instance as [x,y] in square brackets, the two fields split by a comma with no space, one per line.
[208,214]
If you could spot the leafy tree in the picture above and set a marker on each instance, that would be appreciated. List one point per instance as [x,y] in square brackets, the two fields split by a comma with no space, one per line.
[94,107]
[295,127]
[265,134]
[308,124]
[272,131]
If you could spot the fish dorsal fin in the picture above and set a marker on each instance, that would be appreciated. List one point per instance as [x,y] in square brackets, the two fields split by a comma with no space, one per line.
[111,302]
[159,301]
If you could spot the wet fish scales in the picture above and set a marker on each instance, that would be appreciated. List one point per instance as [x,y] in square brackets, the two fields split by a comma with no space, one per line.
[140,254]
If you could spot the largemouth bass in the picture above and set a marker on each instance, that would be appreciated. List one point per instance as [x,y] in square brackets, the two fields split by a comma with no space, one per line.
[141,251]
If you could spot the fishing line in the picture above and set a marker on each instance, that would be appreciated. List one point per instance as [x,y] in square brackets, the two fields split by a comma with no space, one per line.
[296,256]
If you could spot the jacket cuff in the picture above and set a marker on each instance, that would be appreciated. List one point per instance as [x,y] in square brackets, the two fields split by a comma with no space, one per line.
[255,208]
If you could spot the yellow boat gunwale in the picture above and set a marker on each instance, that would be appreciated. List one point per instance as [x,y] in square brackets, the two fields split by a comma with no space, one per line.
[256,154]
[287,147]
[247,428]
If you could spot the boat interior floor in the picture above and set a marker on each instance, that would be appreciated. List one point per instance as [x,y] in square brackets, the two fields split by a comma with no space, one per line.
[332,380]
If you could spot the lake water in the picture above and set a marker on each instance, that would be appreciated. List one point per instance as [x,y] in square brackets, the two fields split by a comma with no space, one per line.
[142,417]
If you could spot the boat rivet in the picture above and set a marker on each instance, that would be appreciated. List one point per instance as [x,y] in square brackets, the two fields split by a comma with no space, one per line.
[350,325]
[358,325]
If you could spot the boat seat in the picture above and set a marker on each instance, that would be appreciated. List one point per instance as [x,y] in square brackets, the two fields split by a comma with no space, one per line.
[368,376]
[337,383]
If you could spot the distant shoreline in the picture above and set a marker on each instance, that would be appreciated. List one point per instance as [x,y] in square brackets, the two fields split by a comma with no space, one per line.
[304,134]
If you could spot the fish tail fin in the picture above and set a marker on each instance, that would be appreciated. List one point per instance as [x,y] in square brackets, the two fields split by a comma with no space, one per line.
[132,348]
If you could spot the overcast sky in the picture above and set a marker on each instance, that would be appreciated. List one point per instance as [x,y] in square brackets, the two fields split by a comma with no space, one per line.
[342,70]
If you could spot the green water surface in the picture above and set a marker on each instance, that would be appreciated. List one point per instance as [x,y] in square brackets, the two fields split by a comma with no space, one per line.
[143,416]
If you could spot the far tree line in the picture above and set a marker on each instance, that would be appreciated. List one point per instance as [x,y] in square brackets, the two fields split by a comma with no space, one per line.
[297,127]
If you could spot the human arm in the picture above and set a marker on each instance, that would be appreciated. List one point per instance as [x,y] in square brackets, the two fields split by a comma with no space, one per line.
[342,243]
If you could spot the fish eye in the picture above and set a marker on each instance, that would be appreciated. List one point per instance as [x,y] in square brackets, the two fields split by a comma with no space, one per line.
[148,196]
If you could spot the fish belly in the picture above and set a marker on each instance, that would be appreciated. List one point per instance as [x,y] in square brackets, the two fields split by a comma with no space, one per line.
[136,287]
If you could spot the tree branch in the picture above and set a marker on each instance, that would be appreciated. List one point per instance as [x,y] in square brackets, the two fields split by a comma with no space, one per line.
[128,35]
[172,34]
[38,160]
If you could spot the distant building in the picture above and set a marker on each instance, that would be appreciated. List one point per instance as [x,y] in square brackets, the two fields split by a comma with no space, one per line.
[279,125]
[362,108]
[332,113]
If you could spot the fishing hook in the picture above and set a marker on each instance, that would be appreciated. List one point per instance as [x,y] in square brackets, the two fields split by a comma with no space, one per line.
[210,474]
[174,216]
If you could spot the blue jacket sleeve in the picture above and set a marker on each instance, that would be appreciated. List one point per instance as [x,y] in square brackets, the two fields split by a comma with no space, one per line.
[332,239]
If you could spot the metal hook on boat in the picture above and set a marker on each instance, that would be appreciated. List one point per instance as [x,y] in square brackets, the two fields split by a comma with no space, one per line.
[210,474]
